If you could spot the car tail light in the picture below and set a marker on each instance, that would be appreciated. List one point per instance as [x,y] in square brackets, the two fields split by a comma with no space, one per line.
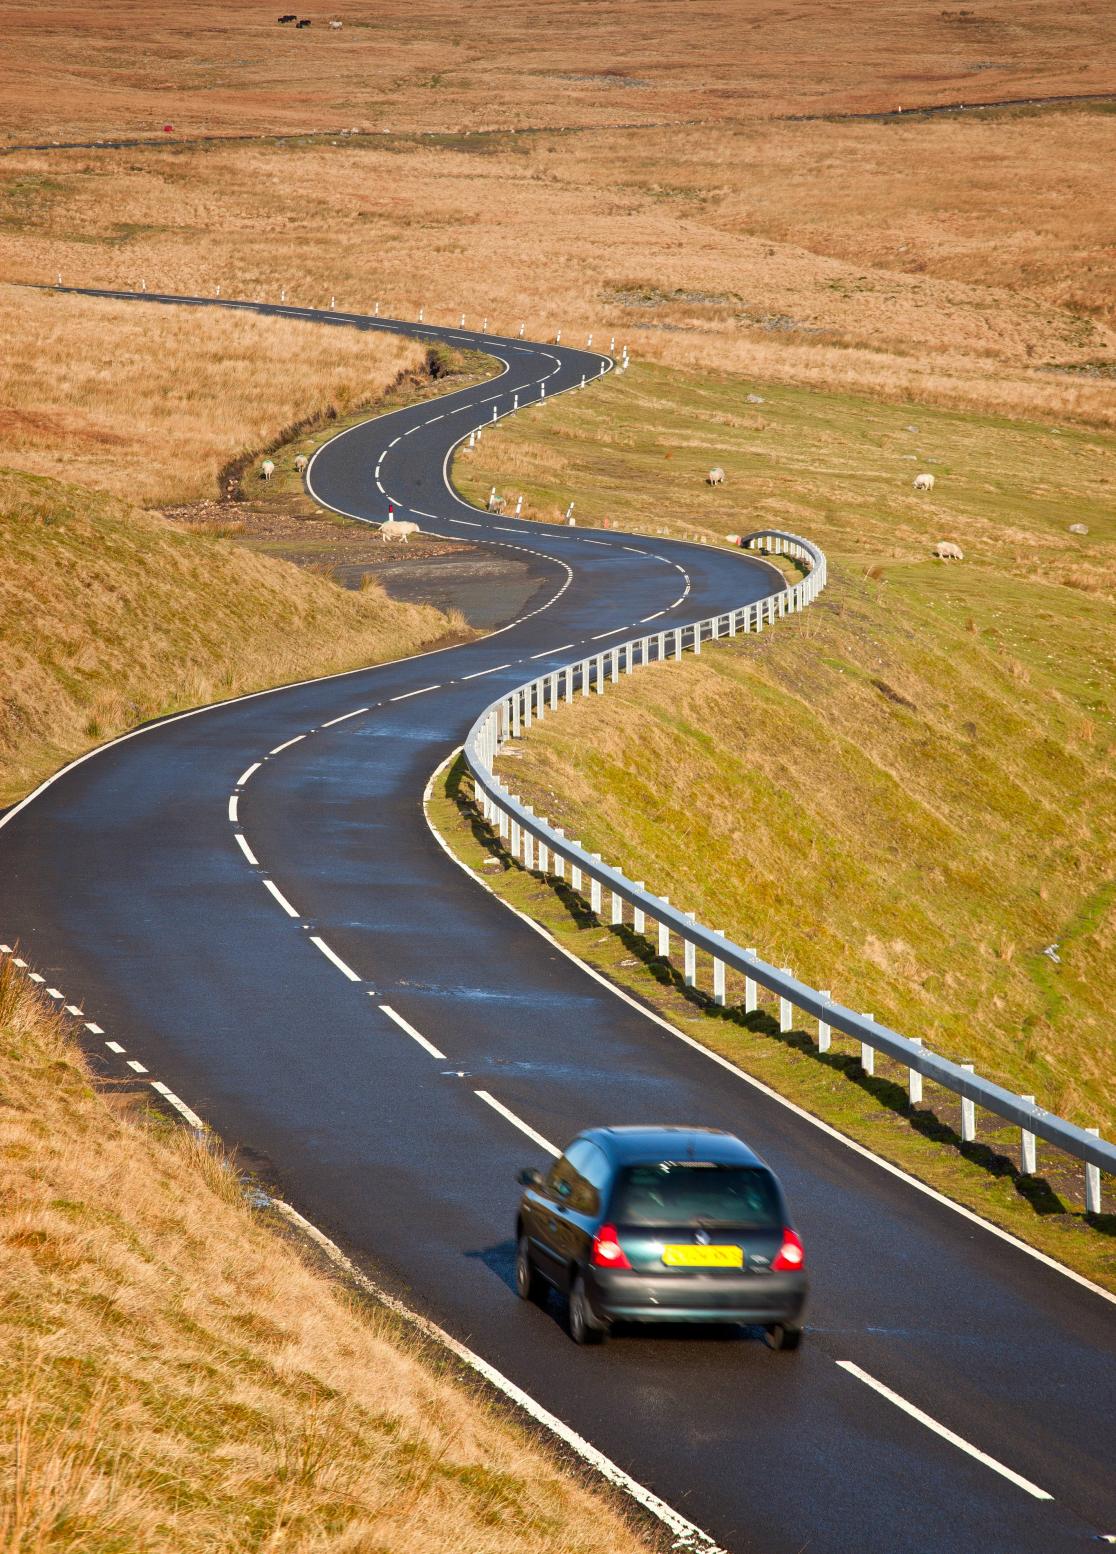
[607,1251]
[791,1255]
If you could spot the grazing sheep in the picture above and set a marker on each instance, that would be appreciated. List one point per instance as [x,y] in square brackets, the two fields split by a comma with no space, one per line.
[397,529]
[1079,528]
[336,25]
[756,399]
[946,550]
[715,477]
[923,482]
[267,469]
[301,462]
[495,503]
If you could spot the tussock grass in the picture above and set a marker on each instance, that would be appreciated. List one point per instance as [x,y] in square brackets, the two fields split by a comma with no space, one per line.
[908,791]
[177,1377]
[112,616]
[149,402]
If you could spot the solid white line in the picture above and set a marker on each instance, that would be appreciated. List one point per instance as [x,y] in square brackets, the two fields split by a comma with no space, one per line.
[550,651]
[939,1429]
[244,776]
[750,1079]
[336,959]
[91,1025]
[232,808]
[139,1068]
[524,1127]
[281,898]
[246,850]
[422,692]
[687,1535]
[180,1106]
[479,672]
[280,748]
[343,716]
[411,1032]
[113,1046]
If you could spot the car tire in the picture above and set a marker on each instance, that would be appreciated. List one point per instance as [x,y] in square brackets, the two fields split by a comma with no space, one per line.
[585,1328]
[782,1335]
[528,1280]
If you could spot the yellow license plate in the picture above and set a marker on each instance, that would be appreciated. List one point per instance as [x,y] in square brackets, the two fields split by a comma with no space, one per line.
[703,1256]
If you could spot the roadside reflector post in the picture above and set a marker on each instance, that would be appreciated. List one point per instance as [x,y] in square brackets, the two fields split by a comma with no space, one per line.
[968,1113]
[461,325]
[664,937]
[719,975]
[690,956]
[522,327]
[867,1051]
[750,988]
[617,909]
[1027,1161]
[786,1008]
[1092,1182]
[824,1033]
[639,918]
[422,310]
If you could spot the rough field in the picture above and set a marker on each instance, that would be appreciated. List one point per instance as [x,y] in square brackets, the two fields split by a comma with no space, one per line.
[176,1377]
[909,795]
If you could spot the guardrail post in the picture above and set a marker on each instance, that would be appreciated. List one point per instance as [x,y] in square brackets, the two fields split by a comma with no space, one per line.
[615,665]
[600,676]
[1092,1182]
[617,909]
[515,831]
[569,683]
[544,857]
[678,643]
[689,956]
[968,1113]
[554,692]
[786,1008]
[515,728]
[629,653]
[660,647]
[585,677]
[825,1036]
[719,975]
[664,936]
[505,825]
[867,1051]
[575,874]
[528,692]
[697,638]
[750,989]
[595,890]
[528,850]
[914,1079]
[559,861]
[1027,1144]
[639,919]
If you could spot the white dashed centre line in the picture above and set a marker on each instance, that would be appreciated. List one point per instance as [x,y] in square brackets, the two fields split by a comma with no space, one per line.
[138,1067]
[95,1029]
[602,634]
[644,619]
[55,992]
[938,1429]
[478,672]
[517,1122]
[180,1106]
[280,748]
[345,715]
[75,1011]
[281,898]
[113,1046]
[246,850]
[35,977]
[427,1046]
[407,694]
[466,522]
[336,959]
[549,651]
[244,776]
[232,809]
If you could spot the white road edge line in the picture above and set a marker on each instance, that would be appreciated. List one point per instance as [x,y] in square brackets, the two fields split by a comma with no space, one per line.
[749,1079]
[232,809]
[517,1122]
[947,1435]
[412,1033]
[336,959]
[244,776]
[281,898]
[688,1535]
[242,843]
[286,745]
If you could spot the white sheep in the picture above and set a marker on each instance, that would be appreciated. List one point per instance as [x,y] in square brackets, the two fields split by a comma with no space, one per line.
[495,503]
[301,462]
[267,469]
[946,550]
[716,477]
[923,482]
[398,529]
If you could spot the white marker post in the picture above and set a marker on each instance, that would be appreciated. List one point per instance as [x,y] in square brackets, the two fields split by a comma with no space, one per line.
[518,506]
[521,329]
[422,311]
[1027,1144]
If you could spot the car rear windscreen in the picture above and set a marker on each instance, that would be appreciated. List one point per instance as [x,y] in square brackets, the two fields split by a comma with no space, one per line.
[695,1193]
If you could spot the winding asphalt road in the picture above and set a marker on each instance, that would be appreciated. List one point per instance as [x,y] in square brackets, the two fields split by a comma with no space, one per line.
[233,897]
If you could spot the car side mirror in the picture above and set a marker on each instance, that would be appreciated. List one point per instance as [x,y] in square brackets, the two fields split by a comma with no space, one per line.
[529,1177]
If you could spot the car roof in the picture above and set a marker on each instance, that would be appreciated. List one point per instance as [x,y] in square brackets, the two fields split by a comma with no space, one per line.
[642,1145]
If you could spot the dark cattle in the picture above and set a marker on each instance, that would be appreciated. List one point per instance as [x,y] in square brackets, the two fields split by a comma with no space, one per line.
[284,19]
[305,22]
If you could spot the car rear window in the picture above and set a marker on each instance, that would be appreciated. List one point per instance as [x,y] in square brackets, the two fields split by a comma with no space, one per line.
[690,1192]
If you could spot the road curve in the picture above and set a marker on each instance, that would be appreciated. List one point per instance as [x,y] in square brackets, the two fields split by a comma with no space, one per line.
[234,896]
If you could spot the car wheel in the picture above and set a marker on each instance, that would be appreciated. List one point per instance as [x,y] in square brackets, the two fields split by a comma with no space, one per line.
[783,1335]
[584,1326]
[528,1283]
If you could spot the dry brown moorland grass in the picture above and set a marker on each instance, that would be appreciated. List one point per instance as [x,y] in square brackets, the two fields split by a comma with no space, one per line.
[117,67]
[150,402]
[176,1377]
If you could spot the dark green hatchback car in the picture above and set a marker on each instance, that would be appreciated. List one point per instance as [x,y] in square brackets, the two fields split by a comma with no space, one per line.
[661,1224]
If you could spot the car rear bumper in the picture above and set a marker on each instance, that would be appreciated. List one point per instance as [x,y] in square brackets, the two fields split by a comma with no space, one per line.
[621,1296]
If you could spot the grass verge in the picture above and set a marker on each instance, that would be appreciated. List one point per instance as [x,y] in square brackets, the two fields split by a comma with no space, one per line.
[177,1376]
